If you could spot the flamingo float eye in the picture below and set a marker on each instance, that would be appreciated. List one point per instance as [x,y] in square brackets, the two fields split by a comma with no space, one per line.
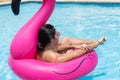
[15,5]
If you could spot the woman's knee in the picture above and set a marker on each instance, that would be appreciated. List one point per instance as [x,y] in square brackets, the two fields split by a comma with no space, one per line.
[66,40]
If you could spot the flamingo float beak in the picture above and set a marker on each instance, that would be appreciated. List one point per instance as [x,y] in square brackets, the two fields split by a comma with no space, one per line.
[15,6]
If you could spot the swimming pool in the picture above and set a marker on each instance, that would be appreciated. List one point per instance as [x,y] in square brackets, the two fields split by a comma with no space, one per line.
[82,20]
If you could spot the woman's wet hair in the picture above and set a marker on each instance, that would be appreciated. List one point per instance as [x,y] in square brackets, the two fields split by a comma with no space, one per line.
[45,34]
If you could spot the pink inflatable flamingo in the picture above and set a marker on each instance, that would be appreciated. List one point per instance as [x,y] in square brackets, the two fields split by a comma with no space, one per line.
[23,49]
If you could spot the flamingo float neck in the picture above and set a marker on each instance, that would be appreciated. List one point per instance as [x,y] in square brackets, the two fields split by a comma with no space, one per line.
[24,43]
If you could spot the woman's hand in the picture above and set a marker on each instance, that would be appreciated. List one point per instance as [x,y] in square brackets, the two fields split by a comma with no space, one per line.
[82,46]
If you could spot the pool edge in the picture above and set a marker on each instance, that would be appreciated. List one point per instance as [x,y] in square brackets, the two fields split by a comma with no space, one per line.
[93,2]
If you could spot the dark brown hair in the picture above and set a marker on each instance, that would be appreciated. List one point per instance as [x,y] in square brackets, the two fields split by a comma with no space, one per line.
[45,34]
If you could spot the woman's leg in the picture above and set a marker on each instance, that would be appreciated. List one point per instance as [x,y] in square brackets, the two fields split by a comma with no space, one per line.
[79,41]
[94,44]
[75,41]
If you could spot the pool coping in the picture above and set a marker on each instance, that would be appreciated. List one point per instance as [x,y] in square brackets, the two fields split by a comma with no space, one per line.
[89,2]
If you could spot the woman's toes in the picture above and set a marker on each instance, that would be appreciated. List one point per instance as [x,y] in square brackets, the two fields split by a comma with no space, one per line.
[102,40]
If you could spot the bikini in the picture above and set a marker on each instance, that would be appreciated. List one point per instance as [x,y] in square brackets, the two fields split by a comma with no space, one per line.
[55,60]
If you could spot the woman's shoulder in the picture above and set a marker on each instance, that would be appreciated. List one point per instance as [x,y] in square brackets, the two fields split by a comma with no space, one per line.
[49,55]
[49,52]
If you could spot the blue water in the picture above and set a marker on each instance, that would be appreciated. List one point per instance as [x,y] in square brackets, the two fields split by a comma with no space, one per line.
[88,21]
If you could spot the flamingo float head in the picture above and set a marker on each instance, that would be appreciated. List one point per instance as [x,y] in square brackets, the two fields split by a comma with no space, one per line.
[15,5]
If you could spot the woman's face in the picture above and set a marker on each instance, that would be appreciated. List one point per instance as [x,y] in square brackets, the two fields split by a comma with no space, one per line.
[56,39]
[57,35]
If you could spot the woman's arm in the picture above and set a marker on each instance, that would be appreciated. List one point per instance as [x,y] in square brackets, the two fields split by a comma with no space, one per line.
[69,43]
[76,53]
[53,57]
[63,47]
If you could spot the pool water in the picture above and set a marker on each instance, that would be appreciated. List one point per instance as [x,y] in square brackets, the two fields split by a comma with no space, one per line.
[81,20]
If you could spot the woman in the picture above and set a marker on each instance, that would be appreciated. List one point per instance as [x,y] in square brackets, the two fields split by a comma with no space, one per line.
[50,49]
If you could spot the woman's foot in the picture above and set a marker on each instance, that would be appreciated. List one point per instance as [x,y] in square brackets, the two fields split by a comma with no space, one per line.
[102,40]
